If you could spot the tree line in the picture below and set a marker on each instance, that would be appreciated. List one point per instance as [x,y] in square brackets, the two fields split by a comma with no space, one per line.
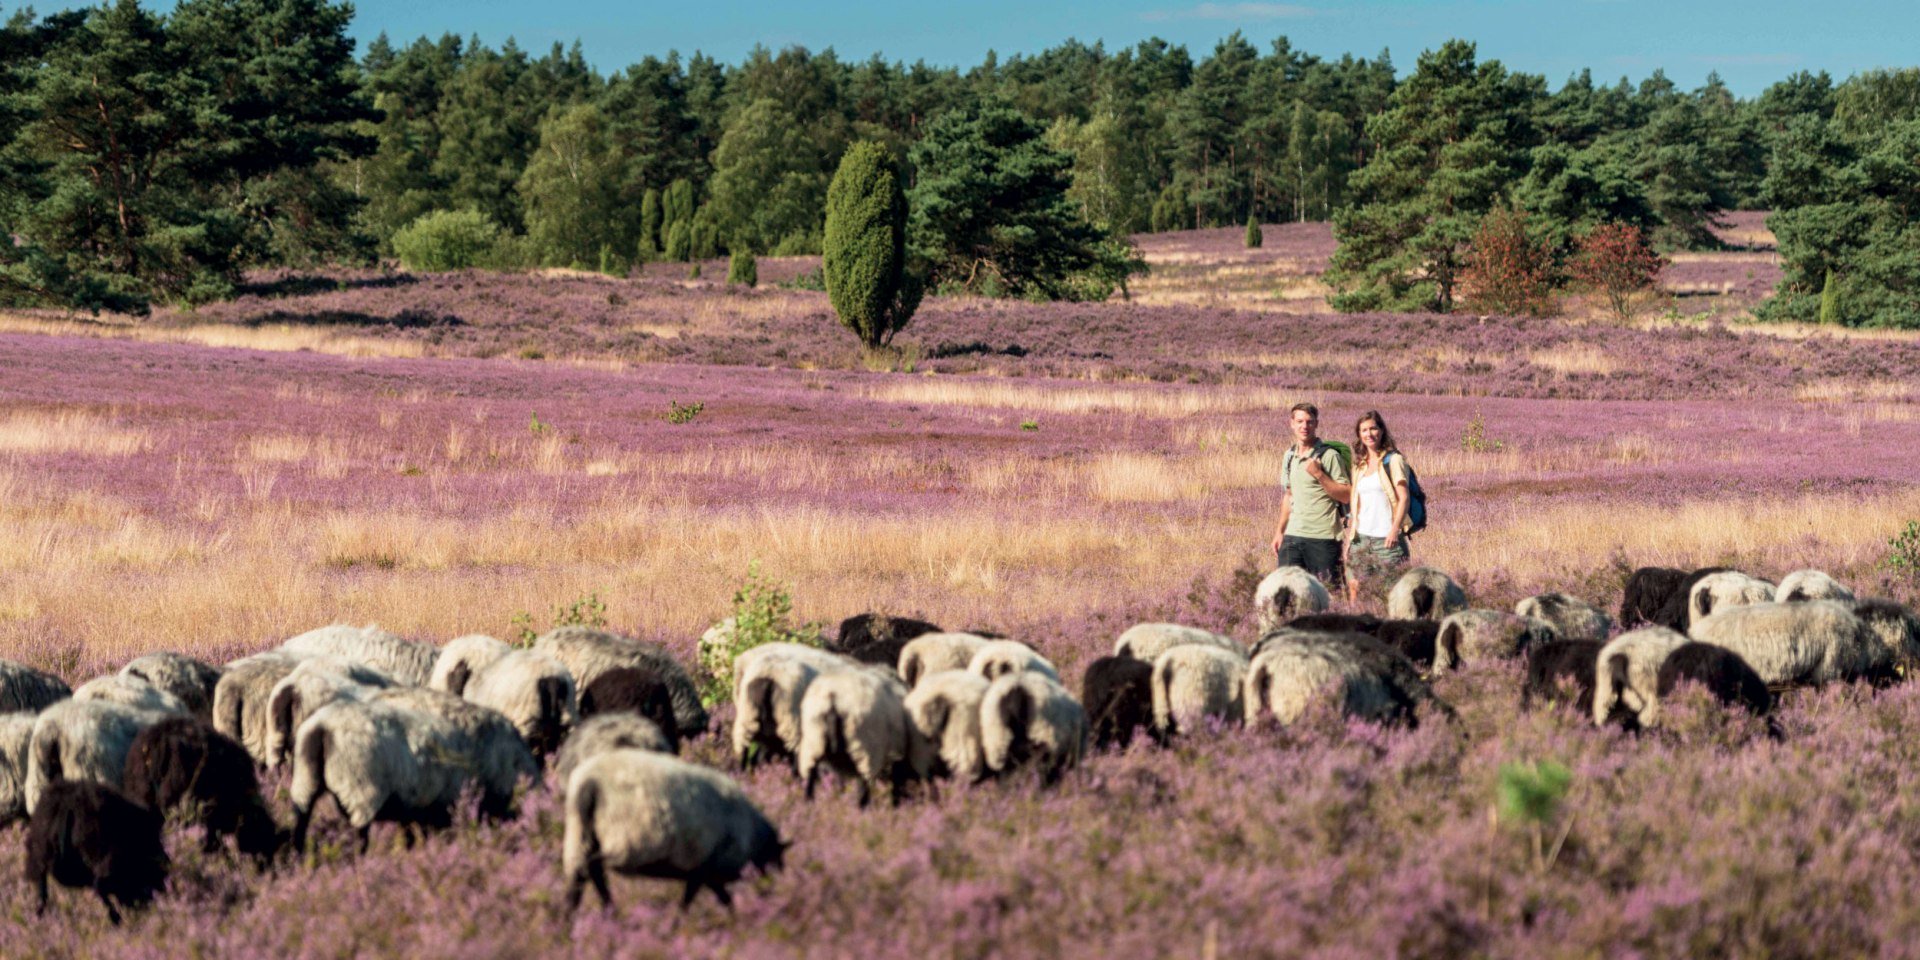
[156,157]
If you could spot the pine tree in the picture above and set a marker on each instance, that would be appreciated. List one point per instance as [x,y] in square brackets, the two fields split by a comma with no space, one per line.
[865,251]
[649,248]
[1254,237]
[742,268]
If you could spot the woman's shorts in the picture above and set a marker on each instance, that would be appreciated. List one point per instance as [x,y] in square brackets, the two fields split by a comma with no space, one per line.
[1370,558]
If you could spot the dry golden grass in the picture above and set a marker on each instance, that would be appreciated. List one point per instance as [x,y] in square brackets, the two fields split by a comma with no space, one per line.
[273,337]
[1849,391]
[68,431]
[1574,358]
[1144,401]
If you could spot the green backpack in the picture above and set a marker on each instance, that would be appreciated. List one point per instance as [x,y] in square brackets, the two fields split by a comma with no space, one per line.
[1346,460]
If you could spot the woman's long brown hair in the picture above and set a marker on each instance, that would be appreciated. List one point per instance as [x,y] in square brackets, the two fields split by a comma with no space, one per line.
[1360,455]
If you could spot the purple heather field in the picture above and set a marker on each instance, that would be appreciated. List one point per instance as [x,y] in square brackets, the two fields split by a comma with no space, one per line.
[1113,469]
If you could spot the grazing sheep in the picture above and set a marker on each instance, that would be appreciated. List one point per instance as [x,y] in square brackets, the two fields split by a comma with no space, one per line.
[769,683]
[1810,585]
[1553,665]
[129,691]
[1725,675]
[1365,623]
[587,653]
[855,722]
[83,740]
[1572,618]
[463,657]
[1674,614]
[1626,673]
[24,688]
[1285,593]
[1487,634]
[380,761]
[313,683]
[1896,627]
[945,711]
[1001,657]
[490,748]
[867,629]
[1416,640]
[1424,593]
[648,814]
[88,835]
[1370,681]
[1145,642]
[190,680]
[534,692]
[1117,693]
[937,653]
[1648,591]
[16,735]
[1028,719]
[1193,682]
[182,762]
[636,692]
[608,731]
[1811,642]
[405,661]
[1719,591]
[242,697]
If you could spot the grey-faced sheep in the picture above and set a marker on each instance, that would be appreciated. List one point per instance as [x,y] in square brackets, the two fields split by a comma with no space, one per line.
[1810,585]
[183,763]
[937,653]
[24,688]
[1897,628]
[490,747]
[1285,593]
[647,814]
[16,736]
[463,657]
[945,712]
[605,732]
[1561,672]
[1424,593]
[1117,693]
[242,698]
[769,683]
[1627,671]
[1147,641]
[129,691]
[1474,635]
[1572,617]
[1812,642]
[632,691]
[1193,682]
[587,653]
[190,680]
[1365,678]
[83,740]
[405,661]
[87,835]
[1648,591]
[854,721]
[532,690]
[1719,591]
[313,683]
[867,629]
[380,761]
[1001,657]
[1027,719]
[1722,672]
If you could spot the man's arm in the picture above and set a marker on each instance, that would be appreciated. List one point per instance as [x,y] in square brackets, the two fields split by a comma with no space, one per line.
[1337,488]
[1286,510]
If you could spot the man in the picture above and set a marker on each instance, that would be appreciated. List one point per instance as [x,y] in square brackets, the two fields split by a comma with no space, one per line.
[1314,483]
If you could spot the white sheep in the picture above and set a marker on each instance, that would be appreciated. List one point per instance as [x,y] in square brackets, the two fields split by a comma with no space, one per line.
[1626,674]
[855,722]
[129,691]
[24,688]
[587,653]
[603,732]
[1810,585]
[1811,642]
[937,653]
[945,710]
[1000,657]
[1284,594]
[494,754]
[642,813]
[463,657]
[313,683]
[84,740]
[190,680]
[242,698]
[1194,681]
[768,684]
[1473,635]
[1572,617]
[532,690]
[1028,718]
[405,661]
[379,761]
[1290,674]
[1719,591]
[1147,641]
[1424,593]
[16,735]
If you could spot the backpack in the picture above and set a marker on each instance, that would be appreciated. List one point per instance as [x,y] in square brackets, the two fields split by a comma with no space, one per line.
[1416,497]
[1344,452]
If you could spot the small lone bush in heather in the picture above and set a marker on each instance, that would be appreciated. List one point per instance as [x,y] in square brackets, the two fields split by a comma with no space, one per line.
[1508,271]
[743,269]
[864,259]
[678,412]
[762,614]
[1254,237]
[1616,261]
[446,240]
[1475,440]
[1530,794]
[1903,551]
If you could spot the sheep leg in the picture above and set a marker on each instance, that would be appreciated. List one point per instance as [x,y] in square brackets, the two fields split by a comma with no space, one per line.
[813,779]
[597,872]
[899,785]
[720,890]
[40,887]
[686,897]
[302,819]
[113,913]
[366,838]
[866,792]
[576,885]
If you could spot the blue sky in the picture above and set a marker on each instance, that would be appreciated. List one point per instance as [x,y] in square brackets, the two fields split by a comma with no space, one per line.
[1750,43]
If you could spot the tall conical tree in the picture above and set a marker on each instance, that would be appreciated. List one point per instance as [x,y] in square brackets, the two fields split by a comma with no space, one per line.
[865,256]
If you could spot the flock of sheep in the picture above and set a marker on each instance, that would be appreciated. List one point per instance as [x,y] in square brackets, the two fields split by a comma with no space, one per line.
[395,731]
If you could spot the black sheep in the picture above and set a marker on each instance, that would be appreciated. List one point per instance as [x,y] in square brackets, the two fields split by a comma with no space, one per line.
[1673,613]
[636,691]
[1118,695]
[1648,590]
[864,629]
[1551,665]
[184,762]
[1413,638]
[884,653]
[1365,623]
[86,834]
[1724,673]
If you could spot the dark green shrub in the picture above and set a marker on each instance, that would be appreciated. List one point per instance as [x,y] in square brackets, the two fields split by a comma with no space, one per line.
[864,260]
[680,241]
[743,269]
[650,217]
[446,240]
[1254,236]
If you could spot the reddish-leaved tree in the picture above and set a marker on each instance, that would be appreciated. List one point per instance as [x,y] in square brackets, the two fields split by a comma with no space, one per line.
[1507,271]
[1616,261]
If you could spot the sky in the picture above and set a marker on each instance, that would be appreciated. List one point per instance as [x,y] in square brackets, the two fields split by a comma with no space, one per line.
[1750,44]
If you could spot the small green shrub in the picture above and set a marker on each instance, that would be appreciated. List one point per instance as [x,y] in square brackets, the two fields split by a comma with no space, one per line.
[679,241]
[1475,440]
[587,611]
[446,240]
[743,269]
[1030,425]
[678,412]
[537,428]
[762,614]
[1254,237]
[1903,551]
[1529,794]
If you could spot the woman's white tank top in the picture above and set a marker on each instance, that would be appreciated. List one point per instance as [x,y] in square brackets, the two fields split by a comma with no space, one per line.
[1374,517]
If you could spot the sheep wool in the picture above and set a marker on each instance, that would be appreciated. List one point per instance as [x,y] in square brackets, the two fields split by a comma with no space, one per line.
[1000,657]
[129,691]
[24,688]
[936,653]
[407,662]
[88,834]
[855,722]
[1285,593]
[1028,719]
[1811,642]
[1553,666]
[1572,617]
[1117,693]
[1810,585]
[242,698]
[190,680]
[533,691]
[1424,593]
[1193,682]
[313,683]
[183,763]
[463,657]
[945,712]
[1649,590]
[1896,627]
[1719,591]
[604,732]
[768,684]
[488,747]
[1722,672]
[379,760]
[84,740]
[587,653]
[1147,641]
[1474,635]
[1627,672]
[16,735]
[1289,676]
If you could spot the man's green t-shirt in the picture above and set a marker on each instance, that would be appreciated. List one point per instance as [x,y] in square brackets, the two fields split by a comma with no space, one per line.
[1315,515]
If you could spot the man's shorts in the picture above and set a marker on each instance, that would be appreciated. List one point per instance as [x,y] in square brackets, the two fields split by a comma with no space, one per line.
[1319,557]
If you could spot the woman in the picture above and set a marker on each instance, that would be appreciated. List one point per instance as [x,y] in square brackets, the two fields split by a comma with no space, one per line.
[1374,543]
